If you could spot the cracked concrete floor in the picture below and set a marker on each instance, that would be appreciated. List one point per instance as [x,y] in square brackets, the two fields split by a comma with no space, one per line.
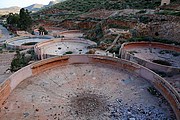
[82,92]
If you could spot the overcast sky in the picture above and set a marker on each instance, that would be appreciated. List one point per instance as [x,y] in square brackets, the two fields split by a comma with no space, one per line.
[21,3]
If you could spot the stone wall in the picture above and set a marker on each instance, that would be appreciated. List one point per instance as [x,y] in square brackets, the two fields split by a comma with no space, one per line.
[159,83]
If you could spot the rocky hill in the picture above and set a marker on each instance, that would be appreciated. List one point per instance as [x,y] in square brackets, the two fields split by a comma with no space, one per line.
[140,17]
[34,7]
[37,7]
[86,5]
[13,9]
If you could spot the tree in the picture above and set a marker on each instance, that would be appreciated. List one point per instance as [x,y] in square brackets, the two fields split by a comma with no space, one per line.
[25,20]
[13,19]
[41,29]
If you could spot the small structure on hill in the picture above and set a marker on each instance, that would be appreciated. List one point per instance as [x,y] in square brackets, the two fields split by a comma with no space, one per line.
[165,2]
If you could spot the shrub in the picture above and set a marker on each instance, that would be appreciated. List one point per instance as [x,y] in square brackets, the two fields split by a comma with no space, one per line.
[153,91]
[68,52]
[41,29]
[18,62]
[174,53]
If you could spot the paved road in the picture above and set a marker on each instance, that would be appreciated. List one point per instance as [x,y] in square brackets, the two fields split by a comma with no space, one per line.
[4,33]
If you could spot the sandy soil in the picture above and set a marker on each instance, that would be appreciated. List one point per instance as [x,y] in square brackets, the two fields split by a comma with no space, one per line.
[5,62]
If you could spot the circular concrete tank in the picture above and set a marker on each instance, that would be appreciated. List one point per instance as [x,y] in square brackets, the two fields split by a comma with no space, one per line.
[86,87]
[25,42]
[155,56]
[63,46]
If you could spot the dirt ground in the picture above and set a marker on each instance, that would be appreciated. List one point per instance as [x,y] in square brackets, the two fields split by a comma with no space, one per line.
[5,62]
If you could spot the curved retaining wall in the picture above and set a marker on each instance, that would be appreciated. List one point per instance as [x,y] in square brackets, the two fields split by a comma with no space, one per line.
[158,82]
[153,66]
[69,34]
[70,31]
[14,46]
[39,47]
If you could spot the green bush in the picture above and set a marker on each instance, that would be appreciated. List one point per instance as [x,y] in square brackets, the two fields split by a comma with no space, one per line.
[168,12]
[1,50]
[68,52]
[153,91]
[18,62]
[42,29]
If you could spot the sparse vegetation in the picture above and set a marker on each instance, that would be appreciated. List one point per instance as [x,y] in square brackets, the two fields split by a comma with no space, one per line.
[168,12]
[18,62]
[1,50]
[153,91]
[108,41]
[68,52]
[132,52]
[86,5]
[150,39]
[117,26]
[43,30]
[96,33]
[21,60]
[174,53]
[115,49]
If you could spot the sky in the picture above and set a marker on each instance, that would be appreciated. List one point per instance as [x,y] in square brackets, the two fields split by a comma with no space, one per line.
[21,3]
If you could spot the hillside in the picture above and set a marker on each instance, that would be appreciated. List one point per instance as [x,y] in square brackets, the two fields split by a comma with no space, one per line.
[86,5]
[96,17]
[37,7]
[13,9]
[34,7]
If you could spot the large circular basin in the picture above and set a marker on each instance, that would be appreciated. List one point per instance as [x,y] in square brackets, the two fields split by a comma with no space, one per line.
[79,87]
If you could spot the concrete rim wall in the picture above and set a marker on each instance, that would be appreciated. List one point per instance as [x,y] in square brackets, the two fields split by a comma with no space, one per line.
[39,47]
[9,45]
[70,31]
[158,82]
[62,33]
[124,54]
